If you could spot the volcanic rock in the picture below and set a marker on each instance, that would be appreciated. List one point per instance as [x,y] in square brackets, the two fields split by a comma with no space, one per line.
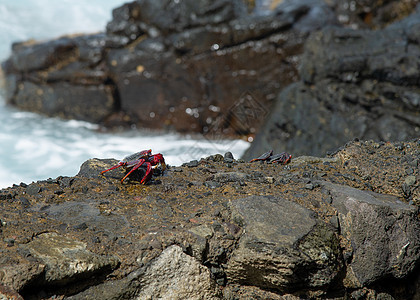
[353,233]
[284,247]
[382,234]
[184,65]
[355,84]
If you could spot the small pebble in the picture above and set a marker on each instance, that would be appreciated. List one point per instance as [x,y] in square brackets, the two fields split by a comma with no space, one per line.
[269,179]
[9,242]
[410,180]
[81,226]
[192,164]
[309,186]
[228,155]
[96,240]
[212,184]
[228,160]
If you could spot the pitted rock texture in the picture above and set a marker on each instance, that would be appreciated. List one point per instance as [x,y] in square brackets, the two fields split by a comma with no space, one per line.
[66,259]
[382,233]
[339,227]
[283,246]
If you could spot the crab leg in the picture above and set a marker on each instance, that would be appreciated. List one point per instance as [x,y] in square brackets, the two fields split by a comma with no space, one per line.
[264,156]
[282,158]
[140,162]
[121,163]
[148,173]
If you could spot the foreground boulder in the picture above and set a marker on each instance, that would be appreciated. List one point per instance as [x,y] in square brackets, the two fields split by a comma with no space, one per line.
[172,275]
[284,247]
[381,231]
[340,227]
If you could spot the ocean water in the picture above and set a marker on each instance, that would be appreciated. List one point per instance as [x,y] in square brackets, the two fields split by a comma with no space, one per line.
[33,147]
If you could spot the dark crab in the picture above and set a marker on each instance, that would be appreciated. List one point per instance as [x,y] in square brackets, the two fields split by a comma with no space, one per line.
[282,158]
[134,161]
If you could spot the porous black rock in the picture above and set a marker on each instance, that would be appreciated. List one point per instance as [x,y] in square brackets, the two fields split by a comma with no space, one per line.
[191,62]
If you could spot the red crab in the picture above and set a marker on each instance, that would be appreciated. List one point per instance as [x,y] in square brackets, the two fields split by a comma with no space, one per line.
[282,158]
[136,160]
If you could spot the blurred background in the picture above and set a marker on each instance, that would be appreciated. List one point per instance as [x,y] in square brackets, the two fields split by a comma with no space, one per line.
[34,147]
[191,78]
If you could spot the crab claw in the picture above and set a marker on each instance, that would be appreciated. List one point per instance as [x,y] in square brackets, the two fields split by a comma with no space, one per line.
[158,159]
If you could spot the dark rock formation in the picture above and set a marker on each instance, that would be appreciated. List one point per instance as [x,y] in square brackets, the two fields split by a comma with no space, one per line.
[211,67]
[371,14]
[187,65]
[63,77]
[355,84]
[342,227]
[380,230]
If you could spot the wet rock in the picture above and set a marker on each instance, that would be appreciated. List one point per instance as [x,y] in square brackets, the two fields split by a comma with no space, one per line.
[264,257]
[215,158]
[228,157]
[89,103]
[309,14]
[78,89]
[382,232]
[34,56]
[371,14]
[67,260]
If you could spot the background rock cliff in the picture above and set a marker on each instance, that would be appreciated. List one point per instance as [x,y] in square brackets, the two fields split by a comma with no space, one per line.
[216,67]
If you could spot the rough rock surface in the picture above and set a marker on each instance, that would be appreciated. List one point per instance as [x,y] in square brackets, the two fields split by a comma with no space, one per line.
[390,246]
[176,275]
[283,248]
[65,259]
[340,227]
[355,84]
